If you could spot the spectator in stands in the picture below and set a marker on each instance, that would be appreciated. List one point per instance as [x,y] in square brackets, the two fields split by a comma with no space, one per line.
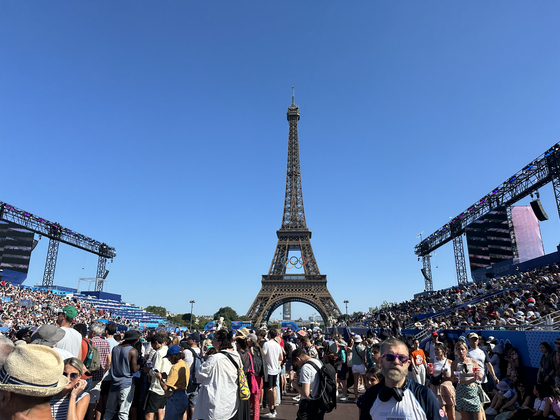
[30,377]
[521,400]
[72,340]
[545,374]
[513,362]
[123,366]
[71,403]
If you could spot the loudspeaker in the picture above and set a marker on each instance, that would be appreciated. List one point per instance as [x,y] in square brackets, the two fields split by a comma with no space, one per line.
[424,274]
[538,210]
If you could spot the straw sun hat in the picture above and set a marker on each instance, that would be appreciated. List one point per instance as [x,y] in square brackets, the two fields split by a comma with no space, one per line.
[33,370]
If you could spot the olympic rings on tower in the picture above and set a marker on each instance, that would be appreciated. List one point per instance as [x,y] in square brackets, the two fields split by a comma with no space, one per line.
[293,261]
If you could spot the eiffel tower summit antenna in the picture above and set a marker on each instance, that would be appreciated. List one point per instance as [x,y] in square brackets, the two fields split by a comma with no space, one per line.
[278,286]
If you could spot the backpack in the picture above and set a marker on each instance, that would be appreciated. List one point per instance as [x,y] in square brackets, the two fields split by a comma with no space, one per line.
[327,387]
[288,350]
[92,361]
[195,368]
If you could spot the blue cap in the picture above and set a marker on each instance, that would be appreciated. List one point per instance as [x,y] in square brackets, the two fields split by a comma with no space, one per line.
[173,350]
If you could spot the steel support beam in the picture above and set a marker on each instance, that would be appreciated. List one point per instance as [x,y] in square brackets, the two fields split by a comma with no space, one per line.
[556,187]
[50,265]
[460,260]
[429,285]
[101,269]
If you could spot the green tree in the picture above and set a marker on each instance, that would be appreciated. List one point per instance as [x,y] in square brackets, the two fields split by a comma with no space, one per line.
[228,314]
[356,314]
[156,310]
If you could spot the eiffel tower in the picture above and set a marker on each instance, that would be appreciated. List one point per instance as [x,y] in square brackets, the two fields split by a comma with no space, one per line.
[279,288]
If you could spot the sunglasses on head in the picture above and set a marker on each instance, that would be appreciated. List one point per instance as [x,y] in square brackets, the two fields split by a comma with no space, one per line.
[72,376]
[392,357]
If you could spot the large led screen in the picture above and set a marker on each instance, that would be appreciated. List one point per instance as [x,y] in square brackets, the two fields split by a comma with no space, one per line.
[15,247]
[489,240]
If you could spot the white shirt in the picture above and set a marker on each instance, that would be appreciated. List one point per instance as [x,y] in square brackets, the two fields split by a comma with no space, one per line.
[217,396]
[162,364]
[189,359]
[480,357]
[72,341]
[272,351]
[308,375]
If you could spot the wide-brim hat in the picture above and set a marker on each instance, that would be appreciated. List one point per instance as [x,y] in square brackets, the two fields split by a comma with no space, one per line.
[33,370]
[47,335]
[132,335]
[243,332]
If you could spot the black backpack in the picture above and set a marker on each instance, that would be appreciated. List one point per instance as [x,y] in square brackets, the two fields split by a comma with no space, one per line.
[327,386]
[288,349]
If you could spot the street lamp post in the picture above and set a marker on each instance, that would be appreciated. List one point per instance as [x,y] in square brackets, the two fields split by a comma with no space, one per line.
[192,302]
[346,302]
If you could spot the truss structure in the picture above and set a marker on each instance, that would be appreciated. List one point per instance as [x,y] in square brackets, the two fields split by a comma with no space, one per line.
[539,172]
[57,234]
[293,235]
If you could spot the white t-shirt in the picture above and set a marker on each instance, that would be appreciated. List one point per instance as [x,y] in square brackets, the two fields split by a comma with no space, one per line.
[481,358]
[272,351]
[72,341]
[189,359]
[308,375]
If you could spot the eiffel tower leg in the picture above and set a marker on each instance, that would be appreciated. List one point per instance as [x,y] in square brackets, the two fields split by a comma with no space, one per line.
[307,251]
[282,250]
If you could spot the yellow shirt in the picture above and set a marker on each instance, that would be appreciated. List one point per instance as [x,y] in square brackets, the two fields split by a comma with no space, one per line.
[178,377]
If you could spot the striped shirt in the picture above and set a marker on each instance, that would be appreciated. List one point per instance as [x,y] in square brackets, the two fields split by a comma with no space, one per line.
[59,406]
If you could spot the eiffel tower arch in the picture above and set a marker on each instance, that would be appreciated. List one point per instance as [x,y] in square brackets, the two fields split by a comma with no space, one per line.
[279,288]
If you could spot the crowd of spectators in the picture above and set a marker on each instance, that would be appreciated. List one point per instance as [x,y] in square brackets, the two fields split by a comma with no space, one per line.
[151,374]
[507,302]
[22,307]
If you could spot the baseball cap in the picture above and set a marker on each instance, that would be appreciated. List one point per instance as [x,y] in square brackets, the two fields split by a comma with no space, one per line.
[70,311]
[173,350]
[473,335]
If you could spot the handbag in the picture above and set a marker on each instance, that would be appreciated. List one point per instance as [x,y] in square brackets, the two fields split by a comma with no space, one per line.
[437,380]
[253,384]
[484,398]
[244,391]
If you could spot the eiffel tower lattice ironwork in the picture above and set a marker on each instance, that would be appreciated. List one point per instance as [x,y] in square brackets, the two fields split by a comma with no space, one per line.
[278,287]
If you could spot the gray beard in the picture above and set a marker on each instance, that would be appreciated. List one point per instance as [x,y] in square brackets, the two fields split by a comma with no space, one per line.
[395,375]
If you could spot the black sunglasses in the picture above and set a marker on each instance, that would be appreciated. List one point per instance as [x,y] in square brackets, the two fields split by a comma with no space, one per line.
[71,375]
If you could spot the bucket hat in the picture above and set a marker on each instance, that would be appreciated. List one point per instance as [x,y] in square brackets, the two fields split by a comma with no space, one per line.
[33,370]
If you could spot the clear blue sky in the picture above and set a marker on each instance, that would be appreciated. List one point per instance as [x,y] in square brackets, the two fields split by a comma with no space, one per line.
[160,128]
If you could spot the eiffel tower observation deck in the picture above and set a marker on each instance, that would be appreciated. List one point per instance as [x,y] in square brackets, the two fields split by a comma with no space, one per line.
[279,288]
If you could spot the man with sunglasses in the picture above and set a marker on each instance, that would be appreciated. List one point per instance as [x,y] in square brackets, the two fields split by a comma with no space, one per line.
[396,397]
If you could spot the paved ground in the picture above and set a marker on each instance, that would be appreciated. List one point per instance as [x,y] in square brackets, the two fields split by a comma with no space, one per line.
[344,411]
[287,410]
